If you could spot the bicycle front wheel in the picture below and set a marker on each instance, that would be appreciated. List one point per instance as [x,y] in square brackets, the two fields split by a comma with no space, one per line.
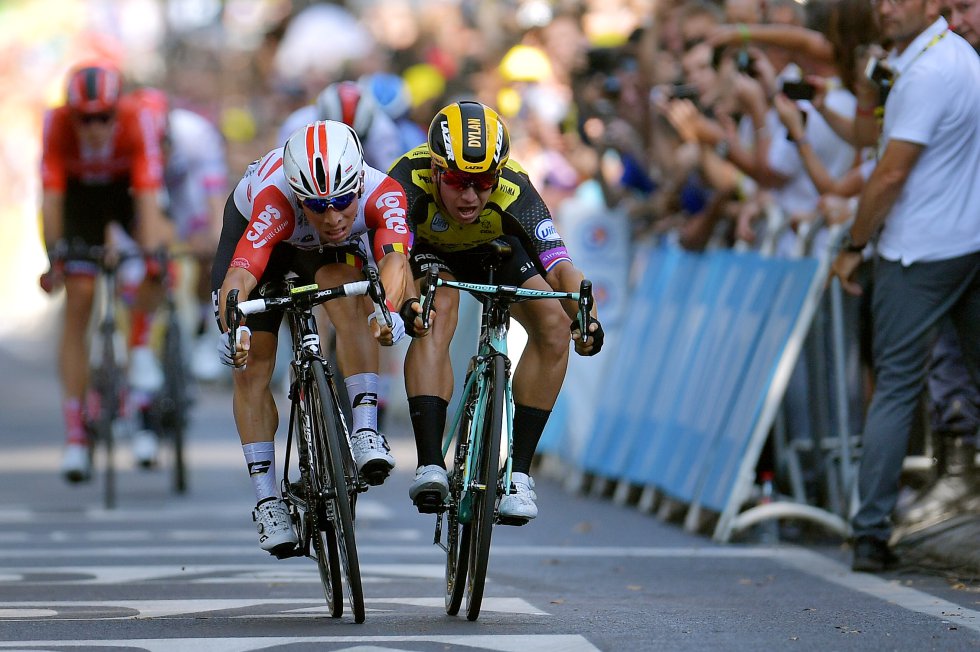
[459,527]
[108,382]
[174,401]
[338,481]
[485,493]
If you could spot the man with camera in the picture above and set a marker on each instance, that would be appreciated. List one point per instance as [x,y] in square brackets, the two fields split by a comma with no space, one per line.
[922,202]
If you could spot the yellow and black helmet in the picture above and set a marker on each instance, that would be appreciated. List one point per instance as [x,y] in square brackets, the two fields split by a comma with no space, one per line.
[469,137]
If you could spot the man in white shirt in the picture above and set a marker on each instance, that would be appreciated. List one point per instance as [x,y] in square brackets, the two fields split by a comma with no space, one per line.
[924,197]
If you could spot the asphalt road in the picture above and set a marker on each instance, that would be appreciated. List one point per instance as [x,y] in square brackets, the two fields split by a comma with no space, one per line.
[167,572]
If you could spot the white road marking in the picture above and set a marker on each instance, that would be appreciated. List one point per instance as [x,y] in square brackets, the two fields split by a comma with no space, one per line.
[502,643]
[280,607]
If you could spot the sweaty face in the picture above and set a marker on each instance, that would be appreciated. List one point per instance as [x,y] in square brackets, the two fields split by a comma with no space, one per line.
[964,16]
[334,226]
[462,197]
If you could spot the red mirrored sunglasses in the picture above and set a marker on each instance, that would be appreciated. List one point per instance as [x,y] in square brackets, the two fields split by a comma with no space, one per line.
[481,181]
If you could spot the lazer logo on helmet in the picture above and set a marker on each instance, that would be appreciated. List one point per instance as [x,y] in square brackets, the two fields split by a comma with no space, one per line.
[474,132]
[545,230]
[261,224]
[395,214]
[447,142]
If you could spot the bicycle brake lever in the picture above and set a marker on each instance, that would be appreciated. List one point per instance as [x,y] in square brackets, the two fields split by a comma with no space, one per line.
[585,301]
[431,282]
[232,316]
[377,292]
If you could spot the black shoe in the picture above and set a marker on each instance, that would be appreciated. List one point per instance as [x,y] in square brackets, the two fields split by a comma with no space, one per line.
[872,555]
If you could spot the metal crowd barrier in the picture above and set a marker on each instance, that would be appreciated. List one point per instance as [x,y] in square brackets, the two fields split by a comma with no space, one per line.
[695,384]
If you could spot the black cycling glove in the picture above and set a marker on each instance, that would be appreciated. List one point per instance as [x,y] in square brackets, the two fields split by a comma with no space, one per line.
[597,335]
[408,315]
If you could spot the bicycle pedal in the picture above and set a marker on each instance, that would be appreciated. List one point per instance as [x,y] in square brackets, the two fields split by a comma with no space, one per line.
[286,551]
[428,502]
[512,520]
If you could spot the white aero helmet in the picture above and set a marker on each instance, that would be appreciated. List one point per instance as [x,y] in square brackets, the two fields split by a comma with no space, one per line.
[350,103]
[323,160]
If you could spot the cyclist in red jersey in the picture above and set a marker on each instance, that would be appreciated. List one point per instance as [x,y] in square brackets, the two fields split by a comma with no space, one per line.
[99,166]
[315,209]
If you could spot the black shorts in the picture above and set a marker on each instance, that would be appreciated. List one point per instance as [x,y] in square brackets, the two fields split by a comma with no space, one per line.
[89,209]
[468,266]
[285,258]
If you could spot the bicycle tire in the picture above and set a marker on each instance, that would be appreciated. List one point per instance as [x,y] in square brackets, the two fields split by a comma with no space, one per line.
[485,502]
[457,533]
[109,386]
[174,402]
[315,527]
[339,491]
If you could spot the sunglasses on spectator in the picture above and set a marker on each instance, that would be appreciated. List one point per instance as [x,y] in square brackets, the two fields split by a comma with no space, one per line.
[92,118]
[481,181]
[338,203]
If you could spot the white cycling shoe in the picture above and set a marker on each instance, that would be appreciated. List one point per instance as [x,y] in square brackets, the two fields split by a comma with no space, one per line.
[372,455]
[276,534]
[430,488]
[145,448]
[517,507]
[145,373]
[75,463]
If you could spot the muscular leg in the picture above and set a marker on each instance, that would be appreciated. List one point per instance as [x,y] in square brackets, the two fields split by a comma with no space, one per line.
[254,407]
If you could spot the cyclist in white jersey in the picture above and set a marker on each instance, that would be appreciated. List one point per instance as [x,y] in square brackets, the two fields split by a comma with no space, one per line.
[313,208]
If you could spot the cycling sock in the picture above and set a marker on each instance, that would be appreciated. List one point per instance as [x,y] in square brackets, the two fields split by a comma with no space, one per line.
[71,408]
[529,423]
[428,421]
[261,460]
[139,330]
[363,392]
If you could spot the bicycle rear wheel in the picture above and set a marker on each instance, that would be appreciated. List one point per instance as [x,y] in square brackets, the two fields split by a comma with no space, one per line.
[339,484]
[485,493]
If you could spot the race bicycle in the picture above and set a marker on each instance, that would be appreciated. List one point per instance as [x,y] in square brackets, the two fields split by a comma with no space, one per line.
[480,476]
[322,503]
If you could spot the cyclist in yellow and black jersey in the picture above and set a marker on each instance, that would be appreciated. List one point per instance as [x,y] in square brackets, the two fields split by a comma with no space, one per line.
[514,208]
[463,191]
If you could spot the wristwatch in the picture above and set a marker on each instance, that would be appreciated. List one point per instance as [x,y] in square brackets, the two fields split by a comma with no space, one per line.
[847,244]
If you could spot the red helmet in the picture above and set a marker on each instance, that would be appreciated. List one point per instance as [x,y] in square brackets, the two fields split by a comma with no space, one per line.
[94,88]
[347,102]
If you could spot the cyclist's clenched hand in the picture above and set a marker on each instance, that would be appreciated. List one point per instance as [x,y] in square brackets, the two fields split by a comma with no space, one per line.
[380,331]
[411,314]
[594,343]
[235,357]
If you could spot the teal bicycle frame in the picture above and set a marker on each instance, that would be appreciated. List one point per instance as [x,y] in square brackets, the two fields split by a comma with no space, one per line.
[476,479]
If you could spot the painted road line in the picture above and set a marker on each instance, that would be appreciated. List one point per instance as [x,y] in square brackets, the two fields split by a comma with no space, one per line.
[502,643]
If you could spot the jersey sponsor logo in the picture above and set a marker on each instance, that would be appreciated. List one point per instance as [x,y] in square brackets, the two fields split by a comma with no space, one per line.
[447,142]
[240,262]
[394,216]
[261,224]
[439,223]
[545,230]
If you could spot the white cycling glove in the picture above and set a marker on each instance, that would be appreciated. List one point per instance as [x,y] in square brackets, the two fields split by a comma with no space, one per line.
[397,325]
[225,353]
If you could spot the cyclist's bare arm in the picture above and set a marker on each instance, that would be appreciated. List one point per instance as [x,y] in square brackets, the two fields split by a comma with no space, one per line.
[565,277]
[53,216]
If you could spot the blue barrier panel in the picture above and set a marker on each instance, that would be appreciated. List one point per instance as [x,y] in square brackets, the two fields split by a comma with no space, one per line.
[618,417]
[695,294]
[685,389]
[719,474]
[726,349]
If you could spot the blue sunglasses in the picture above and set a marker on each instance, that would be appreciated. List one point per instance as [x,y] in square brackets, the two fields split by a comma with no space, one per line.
[339,203]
